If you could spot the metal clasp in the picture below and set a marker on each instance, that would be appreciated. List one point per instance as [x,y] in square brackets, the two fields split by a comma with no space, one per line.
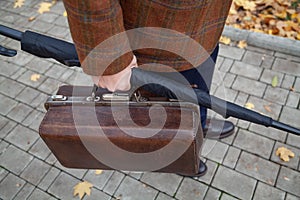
[93,97]
[115,97]
[138,97]
[58,98]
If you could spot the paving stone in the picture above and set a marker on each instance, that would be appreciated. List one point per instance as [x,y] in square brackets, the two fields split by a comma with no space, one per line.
[61,21]
[56,71]
[219,62]
[211,170]
[51,159]
[297,85]
[269,132]
[191,189]
[63,185]
[289,180]
[286,66]
[258,168]
[6,104]
[276,95]
[212,194]
[22,58]
[243,124]
[264,191]
[3,121]
[214,150]
[164,182]
[229,79]
[7,128]
[293,140]
[47,17]
[19,73]
[39,101]
[8,69]
[293,163]
[40,149]
[48,179]
[96,195]
[17,162]
[35,171]
[254,143]
[33,116]
[136,175]
[41,26]
[19,112]
[232,157]
[27,95]
[11,88]
[26,79]
[22,137]
[227,197]
[131,189]
[288,81]
[291,197]
[3,173]
[58,32]
[50,86]
[39,65]
[25,192]
[231,52]
[58,8]
[162,196]
[293,100]
[10,186]
[3,147]
[268,75]
[253,58]
[246,70]
[2,78]
[66,75]
[241,98]
[113,183]
[40,195]
[77,173]
[99,181]
[234,183]
[249,86]
[290,116]
[287,56]
[268,61]
[226,94]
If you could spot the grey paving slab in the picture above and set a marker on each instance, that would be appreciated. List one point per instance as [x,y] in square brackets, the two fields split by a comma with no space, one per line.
[288,81]
[231,52]
[40,195]
[271,133]
[258,168]
[8,69]
[61,21]
[226,93]
[35,171]
[276,95]
[211,170]
[24,192]
[50,86]
[264,191]
[39,65]
[268,75]
[229,79]
[291,197]
[22,137]
[286,66]
[56,71]
[249,86]
[10,186]
[253,143]
[227,197]
[191,189]
[297,85]
[96,195]
[253,58]
[136,175]
[164,182]
[241,99]
[293,140]
[131,189]
[162,196]
[32,117]
[17,162]
[214,150]
[40,26]
[3,173]
[243,124]
[293,100]
[26,79]
[267,61]
[77,173]
[7,128]
[293,163]
[290,116]
[99,181]
[6,104]
[212,194]
[113,183]
[289,180]
[19,112]
[63,185]
[48,179]
[39,101]
[58,32]
[22,58]
[232,157]
[247,70]
[234,183]
[49,17]
[27,95]
[11,88]
[3,121]
[40,149]
[51,159]
[3,146]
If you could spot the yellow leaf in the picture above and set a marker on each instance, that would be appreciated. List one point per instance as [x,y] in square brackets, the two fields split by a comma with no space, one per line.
[225,40]
[298,36]
[242,44]
[274,81]
[35,77]
[249,105]
[82,188]
[44,7]
[65,14]
[19,3]
[284,154]
[98,171]
[30,19]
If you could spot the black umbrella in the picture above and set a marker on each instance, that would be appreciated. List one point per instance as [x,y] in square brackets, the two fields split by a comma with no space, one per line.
[64,52]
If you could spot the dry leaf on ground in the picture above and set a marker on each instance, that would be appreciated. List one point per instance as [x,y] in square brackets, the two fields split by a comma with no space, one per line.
[249,105]
[44,7]
[98,171]
[242,44]
[275,81]
[82,188]
[225,40]
[284,154]
[19,3]
[268,108]
[65,14]
[35,77]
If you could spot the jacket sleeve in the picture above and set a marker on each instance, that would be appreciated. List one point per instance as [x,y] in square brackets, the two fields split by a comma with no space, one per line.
[96,28]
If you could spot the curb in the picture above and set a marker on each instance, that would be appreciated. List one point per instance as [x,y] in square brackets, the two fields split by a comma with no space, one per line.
[265,41]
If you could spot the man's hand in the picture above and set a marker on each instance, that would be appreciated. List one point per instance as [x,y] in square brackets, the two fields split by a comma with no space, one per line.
[116,82]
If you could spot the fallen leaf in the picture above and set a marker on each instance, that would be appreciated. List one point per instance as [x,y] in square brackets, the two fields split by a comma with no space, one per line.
[82,188]
[225,40]
[284,154]
[35,77]
[267,108]
[30,19]
[65,14]
[292,89]
[286,178]
[249,105]
[44,7]
[98,171]
[19,3]
[242,44]
[274,81]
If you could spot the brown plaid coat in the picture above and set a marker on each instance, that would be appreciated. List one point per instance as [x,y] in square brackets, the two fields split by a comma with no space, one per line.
[93,21]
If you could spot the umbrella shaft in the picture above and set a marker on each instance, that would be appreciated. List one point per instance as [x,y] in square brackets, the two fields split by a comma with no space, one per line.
[11,33]
[285,127]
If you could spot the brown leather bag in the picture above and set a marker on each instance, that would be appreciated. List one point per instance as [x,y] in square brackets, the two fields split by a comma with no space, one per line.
[89,132]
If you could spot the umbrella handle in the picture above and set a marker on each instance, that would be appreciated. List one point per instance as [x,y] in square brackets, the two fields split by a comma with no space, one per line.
[285,127]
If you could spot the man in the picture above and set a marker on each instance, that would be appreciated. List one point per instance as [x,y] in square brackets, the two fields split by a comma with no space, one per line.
[94,21]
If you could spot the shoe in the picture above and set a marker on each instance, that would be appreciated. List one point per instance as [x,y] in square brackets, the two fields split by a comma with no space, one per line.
[217,129]
[201,172]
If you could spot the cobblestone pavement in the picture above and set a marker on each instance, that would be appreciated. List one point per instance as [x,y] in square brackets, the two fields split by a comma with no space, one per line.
[243,166]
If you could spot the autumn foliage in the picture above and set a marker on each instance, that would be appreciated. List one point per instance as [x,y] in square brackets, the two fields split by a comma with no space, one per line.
[275,17]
